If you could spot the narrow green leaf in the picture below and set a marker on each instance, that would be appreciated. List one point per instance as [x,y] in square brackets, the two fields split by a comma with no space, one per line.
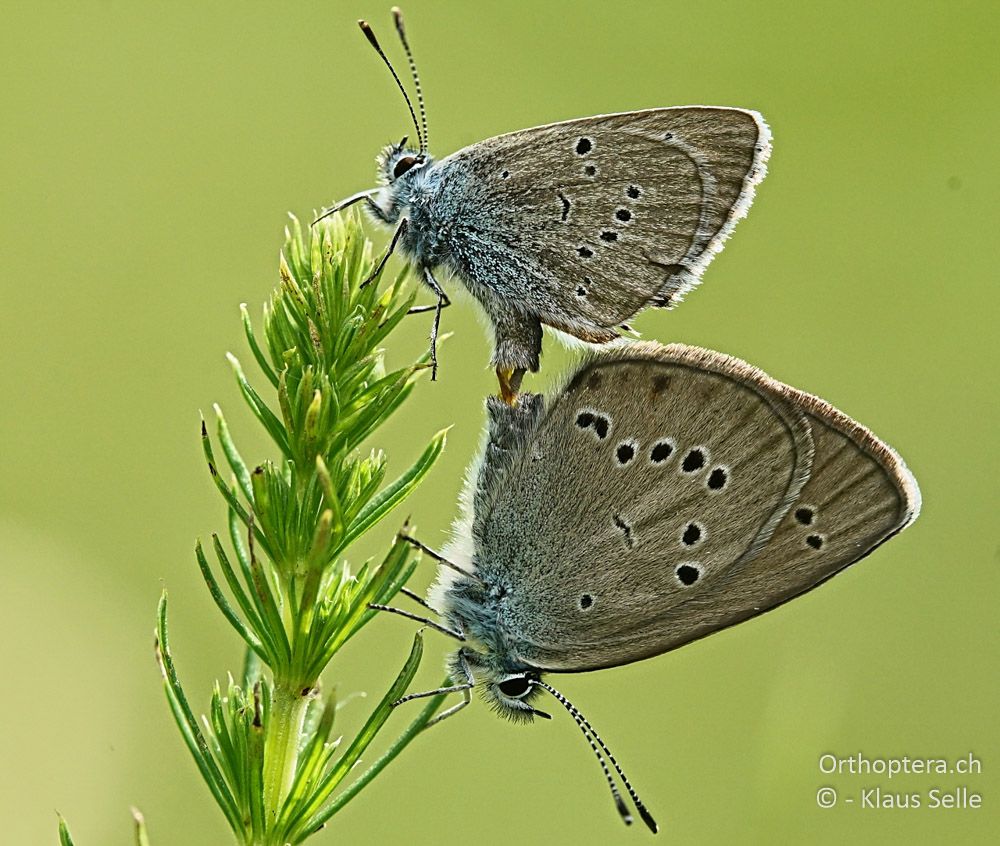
[375,336]
[255,759]
[260,409]
[386,383]
[251,668]
[372,415]
[285,404]
[401,397]
[220,600]
[221,741]
[356,611]
[258,353]
[227,493]
[269,603]
[249,602]
[64,836]
[393,494]
[330,497]
[233,456]
[311,431]
[141,838]
[386,590]
[260,591]
[321,540]
[188,725]
[370,477]
[399,577]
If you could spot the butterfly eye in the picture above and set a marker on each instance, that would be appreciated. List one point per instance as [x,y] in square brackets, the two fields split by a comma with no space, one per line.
[403,165]
[515,687]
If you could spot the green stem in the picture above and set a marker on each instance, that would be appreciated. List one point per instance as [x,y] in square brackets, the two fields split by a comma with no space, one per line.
[281,755]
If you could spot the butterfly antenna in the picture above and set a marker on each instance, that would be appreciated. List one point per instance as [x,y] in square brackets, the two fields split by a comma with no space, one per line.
[367,30]
[397,16]
[594,739]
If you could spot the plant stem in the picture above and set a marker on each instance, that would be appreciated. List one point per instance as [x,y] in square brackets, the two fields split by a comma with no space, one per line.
[284,731]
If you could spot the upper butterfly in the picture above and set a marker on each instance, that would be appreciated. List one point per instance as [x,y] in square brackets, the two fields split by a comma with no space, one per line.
[577,225]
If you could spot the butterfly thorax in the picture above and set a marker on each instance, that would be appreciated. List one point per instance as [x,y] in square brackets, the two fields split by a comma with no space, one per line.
[411,195]
[478,610]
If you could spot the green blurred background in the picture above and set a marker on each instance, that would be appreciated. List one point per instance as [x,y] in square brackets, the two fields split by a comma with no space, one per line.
[150,152]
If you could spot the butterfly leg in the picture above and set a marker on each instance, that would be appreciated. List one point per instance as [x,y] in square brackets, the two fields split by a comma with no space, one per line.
[464,689]
[416,597]
[376,272]
[442,302]
[350,201]
[454,709]
[443,629]
[437,556]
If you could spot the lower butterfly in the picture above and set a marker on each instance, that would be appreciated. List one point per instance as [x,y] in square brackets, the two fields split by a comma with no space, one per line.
[662,494]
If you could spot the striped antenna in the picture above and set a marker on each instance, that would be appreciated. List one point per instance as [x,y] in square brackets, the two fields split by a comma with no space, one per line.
[595,741]
[397,16]
[367,30]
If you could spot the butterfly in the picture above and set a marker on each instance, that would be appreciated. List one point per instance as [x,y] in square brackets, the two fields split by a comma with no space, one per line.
[662,494]
[577,225]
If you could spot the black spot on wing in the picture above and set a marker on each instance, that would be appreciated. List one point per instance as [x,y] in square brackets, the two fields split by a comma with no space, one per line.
[692,534]
[815,541]
[598,423]
[687,574]
[625,452]
[661,451]
[693,461]
[717,479]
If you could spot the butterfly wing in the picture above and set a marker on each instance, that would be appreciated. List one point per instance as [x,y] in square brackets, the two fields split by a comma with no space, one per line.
[584,223]
[715,493]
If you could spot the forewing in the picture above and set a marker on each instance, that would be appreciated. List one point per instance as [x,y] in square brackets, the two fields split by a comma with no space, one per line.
[635,471]
[594,219]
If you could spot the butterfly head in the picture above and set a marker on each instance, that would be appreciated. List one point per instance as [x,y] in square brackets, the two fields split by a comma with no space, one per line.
[399,163]
[507,690]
